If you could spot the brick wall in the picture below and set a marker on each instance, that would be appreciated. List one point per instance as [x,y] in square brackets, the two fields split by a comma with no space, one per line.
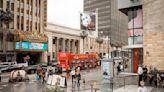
[153,11]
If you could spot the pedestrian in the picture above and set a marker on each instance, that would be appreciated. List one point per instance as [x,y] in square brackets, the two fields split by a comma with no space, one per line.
[121,67]
[142,88]
[50,71]
[157,80]
[78,75]
[73,75]
[43,75]
[150,75]
[145,73]
[156,76]
[39,72]
[140,74]
[118,68]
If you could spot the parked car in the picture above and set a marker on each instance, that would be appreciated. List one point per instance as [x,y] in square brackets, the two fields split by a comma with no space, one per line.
[4,67]
[16,66]
[33,68]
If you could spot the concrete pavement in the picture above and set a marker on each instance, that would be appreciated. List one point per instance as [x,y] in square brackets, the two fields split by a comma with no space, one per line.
[92,77]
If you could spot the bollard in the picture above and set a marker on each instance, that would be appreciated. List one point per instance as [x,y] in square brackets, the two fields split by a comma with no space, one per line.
[0,76]
[111,83]
[124,83]
[91,87]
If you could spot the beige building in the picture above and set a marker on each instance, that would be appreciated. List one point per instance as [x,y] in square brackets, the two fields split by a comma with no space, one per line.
[61,39]
[29,20]
[150,31]
[153,12]
[65,39]
[92,46]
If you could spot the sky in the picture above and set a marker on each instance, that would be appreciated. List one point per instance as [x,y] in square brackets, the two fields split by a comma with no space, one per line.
[65,12]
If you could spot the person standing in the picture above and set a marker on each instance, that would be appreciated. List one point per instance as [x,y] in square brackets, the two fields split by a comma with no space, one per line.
[140,74]
[142,88]
[150,75]
[156,76]
[39,72]
[145,73]
[78,79]
[118,69]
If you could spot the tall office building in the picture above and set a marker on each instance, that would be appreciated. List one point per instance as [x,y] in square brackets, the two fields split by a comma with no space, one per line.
[29,20]
[111,22]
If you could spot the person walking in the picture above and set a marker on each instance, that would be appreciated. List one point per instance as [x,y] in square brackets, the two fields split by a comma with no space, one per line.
[142,88]
[43,76]
[78,79]
[140,74]
[73,75]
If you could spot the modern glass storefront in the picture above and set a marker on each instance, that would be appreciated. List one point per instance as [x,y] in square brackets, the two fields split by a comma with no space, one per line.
[135,39]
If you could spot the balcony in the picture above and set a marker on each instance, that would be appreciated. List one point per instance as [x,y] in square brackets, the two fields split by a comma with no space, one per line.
[123,5]
[129,3]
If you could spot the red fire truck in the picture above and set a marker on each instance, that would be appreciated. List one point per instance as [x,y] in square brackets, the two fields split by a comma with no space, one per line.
[69,60]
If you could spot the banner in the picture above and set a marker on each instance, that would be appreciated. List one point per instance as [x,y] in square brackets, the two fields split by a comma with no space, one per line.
[88,21]
[56,79]
[105,66]
[49,80]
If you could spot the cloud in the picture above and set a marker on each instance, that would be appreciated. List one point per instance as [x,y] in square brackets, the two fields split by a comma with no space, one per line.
[65,12]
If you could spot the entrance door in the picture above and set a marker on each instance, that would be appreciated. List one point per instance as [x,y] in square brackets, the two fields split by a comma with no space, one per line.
[135,59]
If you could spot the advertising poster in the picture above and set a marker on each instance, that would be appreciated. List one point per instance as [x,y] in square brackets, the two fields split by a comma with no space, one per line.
[31,46]
[17,45]
[62,81]
[105,66]
[55,79]
[49,80]
[88,21]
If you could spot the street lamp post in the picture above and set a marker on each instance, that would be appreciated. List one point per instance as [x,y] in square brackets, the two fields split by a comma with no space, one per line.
[6,17]
[99,41]
[83,35]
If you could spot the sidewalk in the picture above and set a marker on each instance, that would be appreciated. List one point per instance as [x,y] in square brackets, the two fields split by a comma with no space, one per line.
[157,90]
[131,88]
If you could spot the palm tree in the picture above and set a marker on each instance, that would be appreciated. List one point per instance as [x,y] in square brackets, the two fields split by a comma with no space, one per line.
[6,17]
[83,35]
[99,40]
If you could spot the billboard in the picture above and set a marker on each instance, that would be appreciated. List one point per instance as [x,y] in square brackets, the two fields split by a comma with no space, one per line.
[88,21]
[30,46]
[105,66]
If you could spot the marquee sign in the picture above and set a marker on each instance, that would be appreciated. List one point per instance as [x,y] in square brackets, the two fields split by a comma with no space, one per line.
[30,37]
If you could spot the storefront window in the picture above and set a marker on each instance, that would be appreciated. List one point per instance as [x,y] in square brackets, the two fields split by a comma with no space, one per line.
[135,26]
